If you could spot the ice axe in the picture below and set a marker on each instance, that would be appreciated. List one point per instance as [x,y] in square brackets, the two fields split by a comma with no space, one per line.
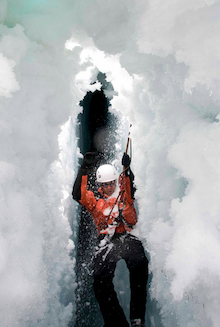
[123,181]
[120,196]
[128,141]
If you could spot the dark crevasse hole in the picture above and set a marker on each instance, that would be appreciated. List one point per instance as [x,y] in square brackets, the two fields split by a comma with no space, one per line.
[96,132]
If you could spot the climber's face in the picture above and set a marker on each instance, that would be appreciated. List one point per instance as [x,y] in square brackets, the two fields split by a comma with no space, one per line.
[109,187]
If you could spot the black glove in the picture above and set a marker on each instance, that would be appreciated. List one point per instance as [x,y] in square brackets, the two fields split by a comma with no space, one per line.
[126,160]
[90,158]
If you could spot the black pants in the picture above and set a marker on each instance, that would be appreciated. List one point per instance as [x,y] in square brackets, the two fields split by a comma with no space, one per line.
[109,252]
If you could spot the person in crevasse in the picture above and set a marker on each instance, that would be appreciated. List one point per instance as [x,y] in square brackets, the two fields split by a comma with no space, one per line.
[112,209]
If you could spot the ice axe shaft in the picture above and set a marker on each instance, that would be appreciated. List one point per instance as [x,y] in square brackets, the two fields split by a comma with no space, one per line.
[122,186]
[128,141]
[127,145]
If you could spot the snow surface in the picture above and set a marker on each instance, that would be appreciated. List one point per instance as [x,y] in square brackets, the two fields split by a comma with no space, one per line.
[162,59]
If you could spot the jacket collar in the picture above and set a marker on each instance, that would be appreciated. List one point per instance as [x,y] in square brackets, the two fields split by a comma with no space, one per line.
[102,193]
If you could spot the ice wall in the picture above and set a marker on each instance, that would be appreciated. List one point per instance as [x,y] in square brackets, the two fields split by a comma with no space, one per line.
[36,98]
[162,59]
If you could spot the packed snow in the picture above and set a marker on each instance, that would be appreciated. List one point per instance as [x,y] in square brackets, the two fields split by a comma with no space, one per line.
[162,59]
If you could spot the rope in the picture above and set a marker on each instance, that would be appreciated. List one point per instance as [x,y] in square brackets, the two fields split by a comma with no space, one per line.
[121,193]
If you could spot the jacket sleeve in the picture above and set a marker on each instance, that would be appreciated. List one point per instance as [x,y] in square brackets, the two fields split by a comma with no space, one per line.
[130,188]
[129,213]
[76,193]
[90,158]
[80,192]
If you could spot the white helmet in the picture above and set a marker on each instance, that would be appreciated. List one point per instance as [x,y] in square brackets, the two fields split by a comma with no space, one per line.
[106,173]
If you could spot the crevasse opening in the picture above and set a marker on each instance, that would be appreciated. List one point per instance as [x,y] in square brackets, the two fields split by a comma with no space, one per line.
[162,62]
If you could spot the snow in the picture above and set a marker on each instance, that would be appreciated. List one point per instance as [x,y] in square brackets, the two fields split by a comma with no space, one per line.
[162,59]
[8,81]
[36,99]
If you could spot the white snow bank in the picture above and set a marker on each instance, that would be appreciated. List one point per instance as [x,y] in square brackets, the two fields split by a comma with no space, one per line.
[196,241]
[8,83]
[37,276]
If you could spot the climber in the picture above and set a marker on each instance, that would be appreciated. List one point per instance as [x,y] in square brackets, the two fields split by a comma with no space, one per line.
[112,209]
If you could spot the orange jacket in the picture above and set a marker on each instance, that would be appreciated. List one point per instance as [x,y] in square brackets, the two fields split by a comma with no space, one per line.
[101,208]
